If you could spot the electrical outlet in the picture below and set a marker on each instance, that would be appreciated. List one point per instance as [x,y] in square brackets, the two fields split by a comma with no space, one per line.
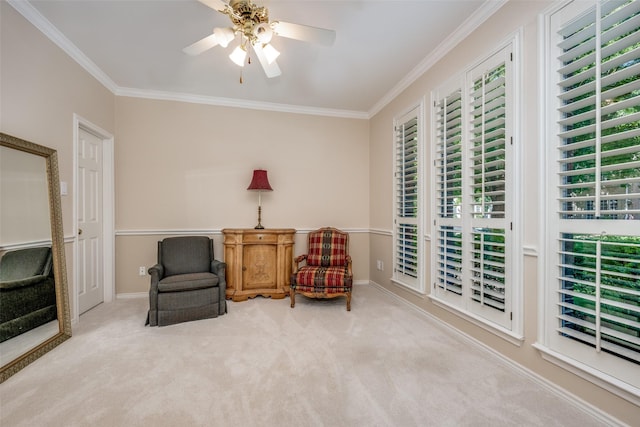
[142,271]
[380,265]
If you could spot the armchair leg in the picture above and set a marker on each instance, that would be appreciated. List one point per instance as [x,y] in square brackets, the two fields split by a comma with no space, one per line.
[292,296]
[349,301]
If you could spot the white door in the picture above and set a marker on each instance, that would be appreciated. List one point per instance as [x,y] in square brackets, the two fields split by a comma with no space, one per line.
[90,259]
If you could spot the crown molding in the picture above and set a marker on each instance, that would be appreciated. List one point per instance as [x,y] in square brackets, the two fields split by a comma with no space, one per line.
[239,103]
[488,8]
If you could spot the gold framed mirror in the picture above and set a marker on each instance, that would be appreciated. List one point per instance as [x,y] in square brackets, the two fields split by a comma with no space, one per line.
[34,300]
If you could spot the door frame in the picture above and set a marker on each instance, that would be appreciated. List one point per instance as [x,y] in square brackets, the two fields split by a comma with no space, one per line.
[108,211]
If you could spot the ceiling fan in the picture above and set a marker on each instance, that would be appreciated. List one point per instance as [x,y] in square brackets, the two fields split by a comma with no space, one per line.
[251,23]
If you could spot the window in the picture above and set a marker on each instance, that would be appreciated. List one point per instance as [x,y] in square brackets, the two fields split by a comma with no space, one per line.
[407,246]
[592,303]
[448,181]
[473,181]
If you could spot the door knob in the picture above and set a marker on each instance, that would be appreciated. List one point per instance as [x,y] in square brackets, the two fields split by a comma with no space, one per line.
[79,231]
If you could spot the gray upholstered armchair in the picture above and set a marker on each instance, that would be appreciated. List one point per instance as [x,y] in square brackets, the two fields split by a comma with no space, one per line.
[186,283]
[27,291]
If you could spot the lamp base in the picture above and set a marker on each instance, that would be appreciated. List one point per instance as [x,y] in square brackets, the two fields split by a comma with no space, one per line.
[259,226]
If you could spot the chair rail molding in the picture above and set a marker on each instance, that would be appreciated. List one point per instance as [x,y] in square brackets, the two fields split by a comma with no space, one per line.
[216,231]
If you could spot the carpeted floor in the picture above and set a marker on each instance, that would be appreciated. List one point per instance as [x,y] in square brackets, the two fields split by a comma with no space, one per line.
[265,364]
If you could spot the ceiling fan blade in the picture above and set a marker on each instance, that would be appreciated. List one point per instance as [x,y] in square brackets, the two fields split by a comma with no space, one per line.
[271,70]
[218,5]
[201,45]
[304,33]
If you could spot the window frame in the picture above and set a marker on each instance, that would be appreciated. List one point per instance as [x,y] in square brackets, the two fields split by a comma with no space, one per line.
[568,354]
[510,329]
[413,284]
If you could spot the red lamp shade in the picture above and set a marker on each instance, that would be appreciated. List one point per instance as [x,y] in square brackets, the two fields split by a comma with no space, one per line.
[260,181]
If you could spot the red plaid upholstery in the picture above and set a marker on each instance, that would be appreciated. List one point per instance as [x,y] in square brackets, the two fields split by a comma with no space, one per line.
[328,280]
[328,248]
[327,273]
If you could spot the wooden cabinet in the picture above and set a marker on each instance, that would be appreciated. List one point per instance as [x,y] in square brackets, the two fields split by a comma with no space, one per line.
[259,262]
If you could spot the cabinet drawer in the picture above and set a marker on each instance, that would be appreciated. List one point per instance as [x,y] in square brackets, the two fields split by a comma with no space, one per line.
[261,238]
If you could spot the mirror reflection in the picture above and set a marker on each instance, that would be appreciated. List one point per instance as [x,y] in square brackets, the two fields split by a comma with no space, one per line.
[33,301]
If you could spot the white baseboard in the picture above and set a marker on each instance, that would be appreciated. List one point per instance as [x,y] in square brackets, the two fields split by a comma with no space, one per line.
[132,295]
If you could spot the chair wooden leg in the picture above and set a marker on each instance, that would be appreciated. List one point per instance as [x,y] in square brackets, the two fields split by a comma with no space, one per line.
[349,301]
[292,296]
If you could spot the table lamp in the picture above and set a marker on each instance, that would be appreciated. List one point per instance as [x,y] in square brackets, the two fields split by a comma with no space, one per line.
[259,183]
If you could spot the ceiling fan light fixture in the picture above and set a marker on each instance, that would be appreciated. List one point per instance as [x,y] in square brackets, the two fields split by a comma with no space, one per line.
[263,33]
[270,52]
[224,35]
[238,56]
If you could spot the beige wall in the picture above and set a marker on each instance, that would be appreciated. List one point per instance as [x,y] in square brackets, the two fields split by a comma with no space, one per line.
[183,167]
[489,36]
[41,88]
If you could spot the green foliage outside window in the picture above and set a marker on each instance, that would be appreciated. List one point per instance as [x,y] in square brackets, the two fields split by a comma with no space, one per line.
[618,279]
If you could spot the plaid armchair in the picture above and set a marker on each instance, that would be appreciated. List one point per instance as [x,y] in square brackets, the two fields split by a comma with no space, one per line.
[187,283]
[327,273]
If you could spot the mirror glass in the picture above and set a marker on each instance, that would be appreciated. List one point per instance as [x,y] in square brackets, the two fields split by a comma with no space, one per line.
[34,309]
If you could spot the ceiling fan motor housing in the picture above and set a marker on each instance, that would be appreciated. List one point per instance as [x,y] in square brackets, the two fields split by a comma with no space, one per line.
[247,17]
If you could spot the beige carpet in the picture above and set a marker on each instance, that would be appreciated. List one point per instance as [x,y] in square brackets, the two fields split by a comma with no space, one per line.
[265,364]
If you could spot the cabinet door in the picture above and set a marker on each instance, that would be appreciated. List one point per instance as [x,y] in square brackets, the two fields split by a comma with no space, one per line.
[259,267]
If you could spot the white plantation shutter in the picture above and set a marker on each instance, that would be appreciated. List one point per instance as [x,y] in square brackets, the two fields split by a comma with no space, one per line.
[449,261]
[448,181]
[598,299]
[489,154]
[488,273]
[407,157]
[599,114]
[594,287]
[449,155]
[473,164]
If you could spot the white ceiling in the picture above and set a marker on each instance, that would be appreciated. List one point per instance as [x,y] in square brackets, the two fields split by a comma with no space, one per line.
[135,48]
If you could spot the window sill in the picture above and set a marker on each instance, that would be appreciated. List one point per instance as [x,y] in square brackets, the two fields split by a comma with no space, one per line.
[505,334]
[607,382]
[408,288]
